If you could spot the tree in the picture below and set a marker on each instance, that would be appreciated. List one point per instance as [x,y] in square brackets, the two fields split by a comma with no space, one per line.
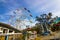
[44,20]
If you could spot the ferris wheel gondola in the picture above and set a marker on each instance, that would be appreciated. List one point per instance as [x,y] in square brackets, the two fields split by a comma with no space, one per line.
[29,12]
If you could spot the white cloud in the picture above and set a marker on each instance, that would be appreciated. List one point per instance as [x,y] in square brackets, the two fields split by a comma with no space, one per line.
[57,13]
[48,5]
[34,3]
[27,22]
[44,5]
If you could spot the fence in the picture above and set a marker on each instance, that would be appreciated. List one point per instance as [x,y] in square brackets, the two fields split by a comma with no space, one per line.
[19,36]
[15,36]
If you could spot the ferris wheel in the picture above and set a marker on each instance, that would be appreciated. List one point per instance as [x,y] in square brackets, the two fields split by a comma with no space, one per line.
[19,16]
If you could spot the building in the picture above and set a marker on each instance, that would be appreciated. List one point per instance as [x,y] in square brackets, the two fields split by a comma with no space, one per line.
[5,28]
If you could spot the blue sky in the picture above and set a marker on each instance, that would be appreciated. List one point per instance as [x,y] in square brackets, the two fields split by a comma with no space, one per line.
[37,7]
